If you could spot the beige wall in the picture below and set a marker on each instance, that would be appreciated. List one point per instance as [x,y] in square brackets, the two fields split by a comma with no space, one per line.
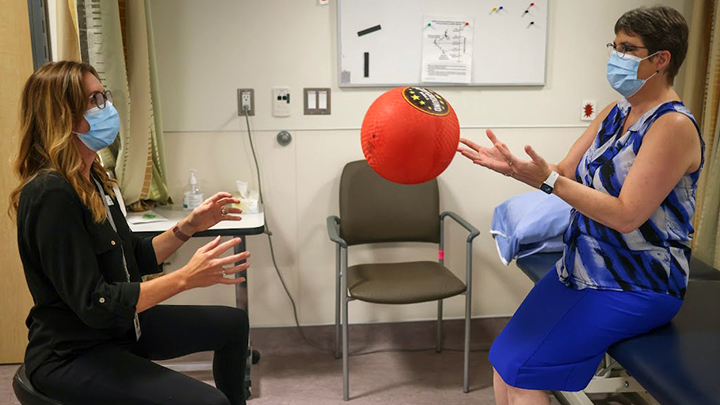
[206,50]
[15,68]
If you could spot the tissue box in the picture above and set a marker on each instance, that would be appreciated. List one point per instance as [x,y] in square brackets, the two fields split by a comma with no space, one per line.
[248,206]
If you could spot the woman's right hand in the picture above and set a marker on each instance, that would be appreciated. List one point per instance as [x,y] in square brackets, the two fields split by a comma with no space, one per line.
[492,158]
[499,159]
[207,268]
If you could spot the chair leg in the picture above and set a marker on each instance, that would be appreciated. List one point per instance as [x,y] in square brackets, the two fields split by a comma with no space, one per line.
[466,365]
[438,347]
[345,354]
[346,365]
[337,301]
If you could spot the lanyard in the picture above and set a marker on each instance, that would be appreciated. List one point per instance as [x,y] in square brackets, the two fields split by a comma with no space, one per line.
[104,198]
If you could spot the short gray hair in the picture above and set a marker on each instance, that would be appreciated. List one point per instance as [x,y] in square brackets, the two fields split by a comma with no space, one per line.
[661,29]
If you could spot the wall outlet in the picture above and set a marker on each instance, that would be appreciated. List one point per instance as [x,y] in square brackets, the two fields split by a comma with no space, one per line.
[246,101]
[281,101]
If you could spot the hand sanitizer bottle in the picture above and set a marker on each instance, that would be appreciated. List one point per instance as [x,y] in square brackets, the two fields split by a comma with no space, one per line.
[193,196]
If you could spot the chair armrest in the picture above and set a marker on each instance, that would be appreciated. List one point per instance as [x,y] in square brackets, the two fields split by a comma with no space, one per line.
[465,224]
[332,222]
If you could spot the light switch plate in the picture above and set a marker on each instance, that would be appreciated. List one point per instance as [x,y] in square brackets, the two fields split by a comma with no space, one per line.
[316,101]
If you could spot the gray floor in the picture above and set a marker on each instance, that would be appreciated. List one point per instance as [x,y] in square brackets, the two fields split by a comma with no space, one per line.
[292,372]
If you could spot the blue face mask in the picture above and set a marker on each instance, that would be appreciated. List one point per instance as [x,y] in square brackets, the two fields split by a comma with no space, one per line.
[622,73]
[104,127]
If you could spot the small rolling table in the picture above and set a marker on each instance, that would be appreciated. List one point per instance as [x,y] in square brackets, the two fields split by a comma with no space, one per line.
[251,224]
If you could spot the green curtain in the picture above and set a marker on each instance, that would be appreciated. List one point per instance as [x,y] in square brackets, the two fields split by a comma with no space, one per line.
[126,65]
[702,93]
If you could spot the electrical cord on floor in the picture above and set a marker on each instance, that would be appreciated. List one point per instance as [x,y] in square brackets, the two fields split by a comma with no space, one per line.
[282,279]
[427,349]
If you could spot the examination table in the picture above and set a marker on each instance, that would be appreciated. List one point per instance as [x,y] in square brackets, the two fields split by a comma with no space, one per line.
[678,363]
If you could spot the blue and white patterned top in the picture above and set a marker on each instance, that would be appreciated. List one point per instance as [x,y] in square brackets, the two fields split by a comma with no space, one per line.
[653,257]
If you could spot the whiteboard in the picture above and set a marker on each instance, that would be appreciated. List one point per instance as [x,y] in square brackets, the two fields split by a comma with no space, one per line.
[508,47]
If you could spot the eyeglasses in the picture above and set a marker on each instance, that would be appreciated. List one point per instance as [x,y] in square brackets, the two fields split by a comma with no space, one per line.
[622,49]
[100,99]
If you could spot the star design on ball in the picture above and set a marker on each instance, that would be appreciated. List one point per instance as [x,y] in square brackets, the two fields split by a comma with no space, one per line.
[415,97]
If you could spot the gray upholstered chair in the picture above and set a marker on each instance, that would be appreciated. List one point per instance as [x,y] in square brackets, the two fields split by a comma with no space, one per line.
[374,210]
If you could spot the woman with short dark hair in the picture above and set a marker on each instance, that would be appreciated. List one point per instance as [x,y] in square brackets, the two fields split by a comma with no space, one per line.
[95,327]
[631,180]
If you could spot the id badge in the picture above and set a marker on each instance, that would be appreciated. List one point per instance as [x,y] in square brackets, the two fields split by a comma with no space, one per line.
[138,332]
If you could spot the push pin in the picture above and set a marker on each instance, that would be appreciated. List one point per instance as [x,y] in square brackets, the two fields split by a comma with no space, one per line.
[531,23]
[527,10]
[467,23]
[501,8]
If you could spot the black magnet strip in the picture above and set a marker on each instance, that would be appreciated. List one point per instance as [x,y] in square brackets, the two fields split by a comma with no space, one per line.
[369,30]
[367,64]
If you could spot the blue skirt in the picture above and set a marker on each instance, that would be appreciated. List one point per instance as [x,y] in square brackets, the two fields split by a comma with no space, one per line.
[558,336]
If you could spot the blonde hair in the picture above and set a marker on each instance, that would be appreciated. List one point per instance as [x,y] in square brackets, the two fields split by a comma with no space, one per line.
[52,101]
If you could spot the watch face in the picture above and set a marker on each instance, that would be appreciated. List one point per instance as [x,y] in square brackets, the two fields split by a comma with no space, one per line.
[547,189]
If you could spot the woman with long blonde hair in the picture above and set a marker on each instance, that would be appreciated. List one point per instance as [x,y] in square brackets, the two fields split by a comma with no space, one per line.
[95,327]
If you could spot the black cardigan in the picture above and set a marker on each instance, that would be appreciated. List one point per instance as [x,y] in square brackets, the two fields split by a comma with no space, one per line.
[74,269]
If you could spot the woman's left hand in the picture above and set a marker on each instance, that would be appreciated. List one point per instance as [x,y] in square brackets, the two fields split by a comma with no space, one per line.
[499,159]
[212,211]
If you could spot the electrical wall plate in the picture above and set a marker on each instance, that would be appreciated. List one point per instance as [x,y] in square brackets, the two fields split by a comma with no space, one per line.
[316,100]
[246,97]
[281,101]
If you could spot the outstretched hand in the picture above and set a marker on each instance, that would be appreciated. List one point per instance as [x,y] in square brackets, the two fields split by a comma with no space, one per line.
[207,267]
[214,210]
[499,159]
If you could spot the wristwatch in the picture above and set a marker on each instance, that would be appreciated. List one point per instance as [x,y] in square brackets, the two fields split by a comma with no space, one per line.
[549,183]
[180,235]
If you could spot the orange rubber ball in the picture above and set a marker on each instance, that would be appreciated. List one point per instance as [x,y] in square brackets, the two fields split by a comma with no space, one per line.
[410,135]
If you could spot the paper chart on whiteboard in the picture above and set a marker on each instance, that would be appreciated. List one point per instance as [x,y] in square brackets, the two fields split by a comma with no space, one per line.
[447,49]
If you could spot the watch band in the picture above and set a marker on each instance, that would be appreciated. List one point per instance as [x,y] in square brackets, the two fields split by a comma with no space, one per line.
[179,234]
[549,184]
